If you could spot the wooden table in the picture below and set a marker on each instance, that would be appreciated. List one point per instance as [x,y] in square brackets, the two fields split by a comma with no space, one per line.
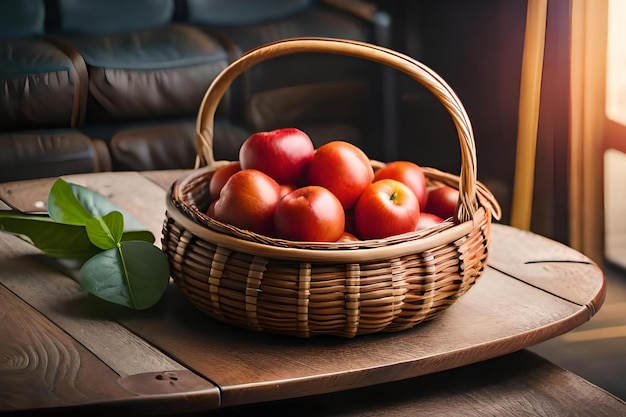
[62,349]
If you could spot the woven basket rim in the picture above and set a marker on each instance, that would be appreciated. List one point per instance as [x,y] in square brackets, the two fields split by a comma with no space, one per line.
[194,219]
[338,254]
[178,192]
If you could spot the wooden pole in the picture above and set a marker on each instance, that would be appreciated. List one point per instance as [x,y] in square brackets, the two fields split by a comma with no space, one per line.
[530,92]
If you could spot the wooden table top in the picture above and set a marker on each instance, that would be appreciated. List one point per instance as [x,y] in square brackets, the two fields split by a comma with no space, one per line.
[60,347]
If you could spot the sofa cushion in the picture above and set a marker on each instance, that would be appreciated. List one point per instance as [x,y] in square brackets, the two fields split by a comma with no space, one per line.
[39,154]
[152,73]
[39,85]
[97,17]
[321,115]
[172,46]
[298,69]
[242,12]
[303,88]
[313,22]
[282,107]
[171,146]
[21,19]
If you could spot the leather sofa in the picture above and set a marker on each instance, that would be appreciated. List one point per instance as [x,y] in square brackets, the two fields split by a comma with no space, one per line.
[94,85]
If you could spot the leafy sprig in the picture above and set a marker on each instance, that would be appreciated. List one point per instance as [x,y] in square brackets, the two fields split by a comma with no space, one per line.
[120,262]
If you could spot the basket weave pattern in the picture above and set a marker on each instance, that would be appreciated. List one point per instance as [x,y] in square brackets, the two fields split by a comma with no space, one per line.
[343,289]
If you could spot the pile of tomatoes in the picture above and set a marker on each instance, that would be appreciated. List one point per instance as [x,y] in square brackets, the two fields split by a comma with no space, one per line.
[282,186]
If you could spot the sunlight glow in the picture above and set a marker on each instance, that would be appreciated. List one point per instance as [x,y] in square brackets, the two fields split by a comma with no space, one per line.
[616,63]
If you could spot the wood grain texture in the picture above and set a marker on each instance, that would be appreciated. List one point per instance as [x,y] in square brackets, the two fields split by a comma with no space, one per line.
[534,289]
[549,265]
[498,316]
[27,196]
[165,178]
[41,366]
[519,384]
[35,279]
[82,321]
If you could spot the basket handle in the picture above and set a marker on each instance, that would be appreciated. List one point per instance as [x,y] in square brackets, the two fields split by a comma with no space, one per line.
[468,203]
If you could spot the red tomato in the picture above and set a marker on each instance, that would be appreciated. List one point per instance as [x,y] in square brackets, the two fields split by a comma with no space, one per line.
[219,178]
[283,154]
[286,189]
[211,210]
[311,214]
[342,168]
[348,237]
[442,201]
[248,200]
[386,208]
[427,220]
[409,174]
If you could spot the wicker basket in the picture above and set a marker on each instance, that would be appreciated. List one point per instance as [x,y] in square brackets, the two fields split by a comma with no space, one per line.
[343,289]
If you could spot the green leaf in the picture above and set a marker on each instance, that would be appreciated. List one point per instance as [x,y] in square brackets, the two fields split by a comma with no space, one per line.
[54,239]
[106,231]
[64,206]
[98,205]
[144,235]
[64,198]
[135,275]
[122,264]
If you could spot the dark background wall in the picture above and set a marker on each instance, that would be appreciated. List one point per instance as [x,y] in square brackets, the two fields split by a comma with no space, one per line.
[476,46]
